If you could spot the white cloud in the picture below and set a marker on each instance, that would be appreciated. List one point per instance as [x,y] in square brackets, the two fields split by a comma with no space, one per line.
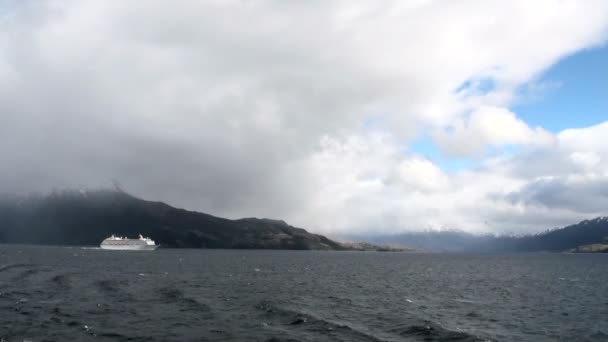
[422,175]
[487,127]
[263,108]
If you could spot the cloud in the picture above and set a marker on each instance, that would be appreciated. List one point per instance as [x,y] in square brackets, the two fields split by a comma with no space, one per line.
[487,127]
[567,179]
[589,196]
[541,187]
[421,174]
[262,108]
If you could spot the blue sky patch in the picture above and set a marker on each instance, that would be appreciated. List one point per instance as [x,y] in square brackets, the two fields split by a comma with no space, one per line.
[579,94]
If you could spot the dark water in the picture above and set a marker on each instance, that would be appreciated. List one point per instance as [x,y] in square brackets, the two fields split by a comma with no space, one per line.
[75,294]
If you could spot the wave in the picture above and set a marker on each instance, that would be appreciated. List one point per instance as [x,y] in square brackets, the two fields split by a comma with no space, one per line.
[300,324]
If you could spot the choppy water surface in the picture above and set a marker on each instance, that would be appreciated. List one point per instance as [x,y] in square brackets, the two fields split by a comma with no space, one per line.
[61,294]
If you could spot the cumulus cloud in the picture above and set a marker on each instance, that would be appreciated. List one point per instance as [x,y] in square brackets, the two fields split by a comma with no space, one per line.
[303,111]
[567,180]
[487,127]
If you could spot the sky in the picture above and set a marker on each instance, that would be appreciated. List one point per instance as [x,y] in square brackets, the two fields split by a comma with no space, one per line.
[336,116]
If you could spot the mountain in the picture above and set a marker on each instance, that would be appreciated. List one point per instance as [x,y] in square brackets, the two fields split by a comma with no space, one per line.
[587,232]
[570,238]
[88,217]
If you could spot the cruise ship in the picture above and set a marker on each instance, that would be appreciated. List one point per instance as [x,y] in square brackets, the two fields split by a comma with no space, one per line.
[123,243]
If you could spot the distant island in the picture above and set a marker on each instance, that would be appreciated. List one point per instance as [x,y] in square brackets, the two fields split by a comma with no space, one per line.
[365,246]
[85,218]
[592,248]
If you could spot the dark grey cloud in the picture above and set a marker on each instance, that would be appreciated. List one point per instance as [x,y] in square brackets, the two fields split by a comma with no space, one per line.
[586,196]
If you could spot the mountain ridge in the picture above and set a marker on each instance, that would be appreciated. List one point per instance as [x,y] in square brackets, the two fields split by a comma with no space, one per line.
[87,217]
[568,238]
[72,217]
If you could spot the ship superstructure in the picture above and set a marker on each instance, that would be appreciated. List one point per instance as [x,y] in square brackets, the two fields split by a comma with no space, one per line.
[123,243]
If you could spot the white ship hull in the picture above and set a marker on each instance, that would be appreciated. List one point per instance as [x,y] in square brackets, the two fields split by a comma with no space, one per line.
[129,247]
[124,244]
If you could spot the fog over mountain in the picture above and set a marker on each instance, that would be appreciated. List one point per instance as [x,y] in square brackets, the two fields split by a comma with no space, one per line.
[84,218]
[306,111]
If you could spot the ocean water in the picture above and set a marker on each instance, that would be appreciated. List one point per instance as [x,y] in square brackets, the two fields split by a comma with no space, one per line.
[79,294]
